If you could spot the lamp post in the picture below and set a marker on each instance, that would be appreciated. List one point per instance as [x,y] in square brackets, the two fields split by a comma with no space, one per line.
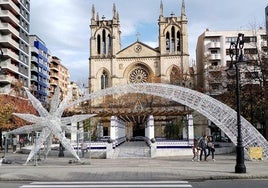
[236,49]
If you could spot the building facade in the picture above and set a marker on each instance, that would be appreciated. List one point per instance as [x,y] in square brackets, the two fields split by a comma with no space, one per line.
[39,69]
[75,90]
[212,61]
[59,76]
[14,44]
[212,58]
[110,65]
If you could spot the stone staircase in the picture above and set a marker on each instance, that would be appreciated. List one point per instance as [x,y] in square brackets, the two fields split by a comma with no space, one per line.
[136,149]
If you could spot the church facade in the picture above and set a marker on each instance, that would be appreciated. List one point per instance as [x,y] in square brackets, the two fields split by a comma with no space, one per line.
[110,65]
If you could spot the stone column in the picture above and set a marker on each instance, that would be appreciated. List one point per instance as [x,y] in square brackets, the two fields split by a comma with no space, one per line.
[74,132]
[190,128]
[113,129]
[99,130]
[149,129]
[118,128]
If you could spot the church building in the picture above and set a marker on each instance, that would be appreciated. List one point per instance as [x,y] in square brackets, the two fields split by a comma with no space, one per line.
[110,66]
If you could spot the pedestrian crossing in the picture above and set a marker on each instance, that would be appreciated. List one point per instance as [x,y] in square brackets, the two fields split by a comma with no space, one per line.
[110,184]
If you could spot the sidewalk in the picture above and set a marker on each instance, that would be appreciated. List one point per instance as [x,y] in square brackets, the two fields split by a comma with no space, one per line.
[168,168]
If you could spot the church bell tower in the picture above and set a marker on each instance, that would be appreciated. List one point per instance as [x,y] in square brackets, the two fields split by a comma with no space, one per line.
[105,35]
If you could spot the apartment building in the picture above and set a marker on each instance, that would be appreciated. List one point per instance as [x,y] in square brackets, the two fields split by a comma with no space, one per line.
[39,69]
[14,44]
[75,90]
[59,76]
[212,58]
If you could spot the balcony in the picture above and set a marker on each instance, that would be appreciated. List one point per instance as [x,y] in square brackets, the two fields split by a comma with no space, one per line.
[215,56]
[264,43]
[9,27]
[10,42]
[9,4]
[7,78]
[34,78]
[54,82]
[35,69]
[214,45]
[34,50]
[8,16]
[54,75]
[8,65]
[213,68]
[56,68]
[215,81]
[34,59]
[11,54]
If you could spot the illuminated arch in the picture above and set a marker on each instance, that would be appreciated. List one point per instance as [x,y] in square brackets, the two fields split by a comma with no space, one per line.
[222,115]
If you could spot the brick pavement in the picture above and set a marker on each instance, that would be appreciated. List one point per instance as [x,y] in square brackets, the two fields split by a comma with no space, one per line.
[166,168]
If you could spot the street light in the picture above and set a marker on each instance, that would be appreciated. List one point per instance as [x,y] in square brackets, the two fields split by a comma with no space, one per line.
[236,49]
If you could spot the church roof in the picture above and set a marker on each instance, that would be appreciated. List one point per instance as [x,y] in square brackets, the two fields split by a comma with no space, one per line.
[138,49]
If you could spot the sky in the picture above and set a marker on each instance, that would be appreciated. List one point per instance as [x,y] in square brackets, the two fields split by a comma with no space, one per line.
[64,24]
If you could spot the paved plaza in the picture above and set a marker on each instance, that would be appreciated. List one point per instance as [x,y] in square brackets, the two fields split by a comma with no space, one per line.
[127,169]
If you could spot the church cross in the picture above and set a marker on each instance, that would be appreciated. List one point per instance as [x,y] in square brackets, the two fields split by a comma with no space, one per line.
[138,36]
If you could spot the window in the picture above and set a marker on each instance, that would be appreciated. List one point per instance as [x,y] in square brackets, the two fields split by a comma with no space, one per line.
[178,41]
[250,51]
[250,39]
[139,75]
[215,63]
[98,44]
[230,39]
[109,44]
[104,80]
[167,42]
[252,75]
[172,49]
[103,41]
[214,51]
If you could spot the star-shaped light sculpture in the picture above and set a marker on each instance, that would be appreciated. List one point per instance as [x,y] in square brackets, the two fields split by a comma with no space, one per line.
[49,123]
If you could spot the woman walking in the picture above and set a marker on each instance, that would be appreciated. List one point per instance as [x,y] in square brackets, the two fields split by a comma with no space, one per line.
[195,150]
[211,147]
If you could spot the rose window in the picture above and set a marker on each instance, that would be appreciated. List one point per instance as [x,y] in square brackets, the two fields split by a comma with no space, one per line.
[138,75]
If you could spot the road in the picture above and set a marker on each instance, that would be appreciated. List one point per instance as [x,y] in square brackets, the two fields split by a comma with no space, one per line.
[245,183]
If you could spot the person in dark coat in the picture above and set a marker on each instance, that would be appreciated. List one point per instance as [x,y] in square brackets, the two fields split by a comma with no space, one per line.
[203,147]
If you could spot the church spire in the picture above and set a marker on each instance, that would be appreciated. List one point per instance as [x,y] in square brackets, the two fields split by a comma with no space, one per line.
[114,11]
[161,8]
[117,16]
[183,9]
[97,17]
[93,12]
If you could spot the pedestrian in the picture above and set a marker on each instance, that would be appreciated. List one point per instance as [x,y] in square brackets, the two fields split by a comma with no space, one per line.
[5,144]
[83,149]
[14,143]
[203,147]
[211,147]
[21,142]
[195,150]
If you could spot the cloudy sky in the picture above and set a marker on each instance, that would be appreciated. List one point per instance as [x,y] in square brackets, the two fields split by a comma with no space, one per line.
[64,24]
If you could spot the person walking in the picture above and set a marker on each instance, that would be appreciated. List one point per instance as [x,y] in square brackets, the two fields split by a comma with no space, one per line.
[21,142]
[203,146]
[195,150]
[14,143]
[211,147]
